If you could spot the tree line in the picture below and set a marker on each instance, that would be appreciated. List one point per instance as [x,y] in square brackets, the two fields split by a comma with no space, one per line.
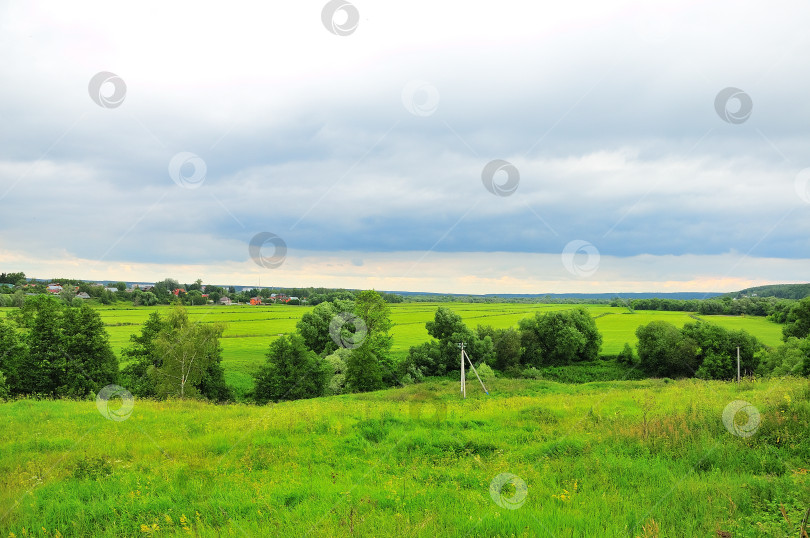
[699,349]
[773,307]
[166,291]
[49,348]
[708,351]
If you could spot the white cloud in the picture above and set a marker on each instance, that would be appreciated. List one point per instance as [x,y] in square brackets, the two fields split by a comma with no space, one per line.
[607,110]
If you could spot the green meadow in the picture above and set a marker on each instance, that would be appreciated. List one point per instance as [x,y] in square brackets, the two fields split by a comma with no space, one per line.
[251,329]
[649,458]
[634,458]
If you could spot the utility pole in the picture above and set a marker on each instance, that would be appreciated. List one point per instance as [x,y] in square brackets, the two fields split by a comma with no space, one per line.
[464,375]
[463,379]
[738,364]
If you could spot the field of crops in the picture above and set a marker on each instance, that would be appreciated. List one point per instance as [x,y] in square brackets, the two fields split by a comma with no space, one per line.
[631,459]
[250,329]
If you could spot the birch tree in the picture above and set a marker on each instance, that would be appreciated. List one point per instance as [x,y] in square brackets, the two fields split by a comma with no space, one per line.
[187,350]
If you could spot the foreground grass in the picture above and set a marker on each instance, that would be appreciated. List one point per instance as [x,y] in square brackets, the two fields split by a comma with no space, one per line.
[634,458]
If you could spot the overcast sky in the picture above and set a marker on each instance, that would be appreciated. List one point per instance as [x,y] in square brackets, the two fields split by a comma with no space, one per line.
[637,146]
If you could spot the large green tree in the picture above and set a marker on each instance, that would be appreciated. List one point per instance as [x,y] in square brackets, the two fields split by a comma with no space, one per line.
[442,356]
[663,351]
[175,357]
[314,325]
[188,351]
[38,372]
[142,356]
[68,351]
[717,350]
[506,346]
[363,371]
[558,338]
[12,353]
[87,363]
[292,372]
[369,367]
[195,297]
[798,321]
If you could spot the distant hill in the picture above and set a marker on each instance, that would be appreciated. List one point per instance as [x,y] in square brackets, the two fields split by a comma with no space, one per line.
[781,291]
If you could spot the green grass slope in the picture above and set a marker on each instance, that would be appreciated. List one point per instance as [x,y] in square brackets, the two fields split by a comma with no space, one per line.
[635,458]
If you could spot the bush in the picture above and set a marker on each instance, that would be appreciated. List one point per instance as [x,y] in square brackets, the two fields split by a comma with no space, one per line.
[700,349]
[559,338]
[664,352]
[791,358]
[532,373]
[3,387]
[485,372]
[626,356]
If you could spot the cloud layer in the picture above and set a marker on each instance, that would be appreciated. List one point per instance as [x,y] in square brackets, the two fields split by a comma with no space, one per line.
[371,146]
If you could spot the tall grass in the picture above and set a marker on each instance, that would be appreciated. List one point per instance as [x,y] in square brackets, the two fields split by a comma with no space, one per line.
[599,459]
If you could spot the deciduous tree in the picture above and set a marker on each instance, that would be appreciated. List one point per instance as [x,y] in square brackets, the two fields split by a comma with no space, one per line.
[292,372]
[187,351]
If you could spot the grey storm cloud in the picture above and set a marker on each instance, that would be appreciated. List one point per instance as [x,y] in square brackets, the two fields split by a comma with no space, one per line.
[610,121]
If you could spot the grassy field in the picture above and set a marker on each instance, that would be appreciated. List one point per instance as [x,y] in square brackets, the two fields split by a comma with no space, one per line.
[624,459]
[251,329]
